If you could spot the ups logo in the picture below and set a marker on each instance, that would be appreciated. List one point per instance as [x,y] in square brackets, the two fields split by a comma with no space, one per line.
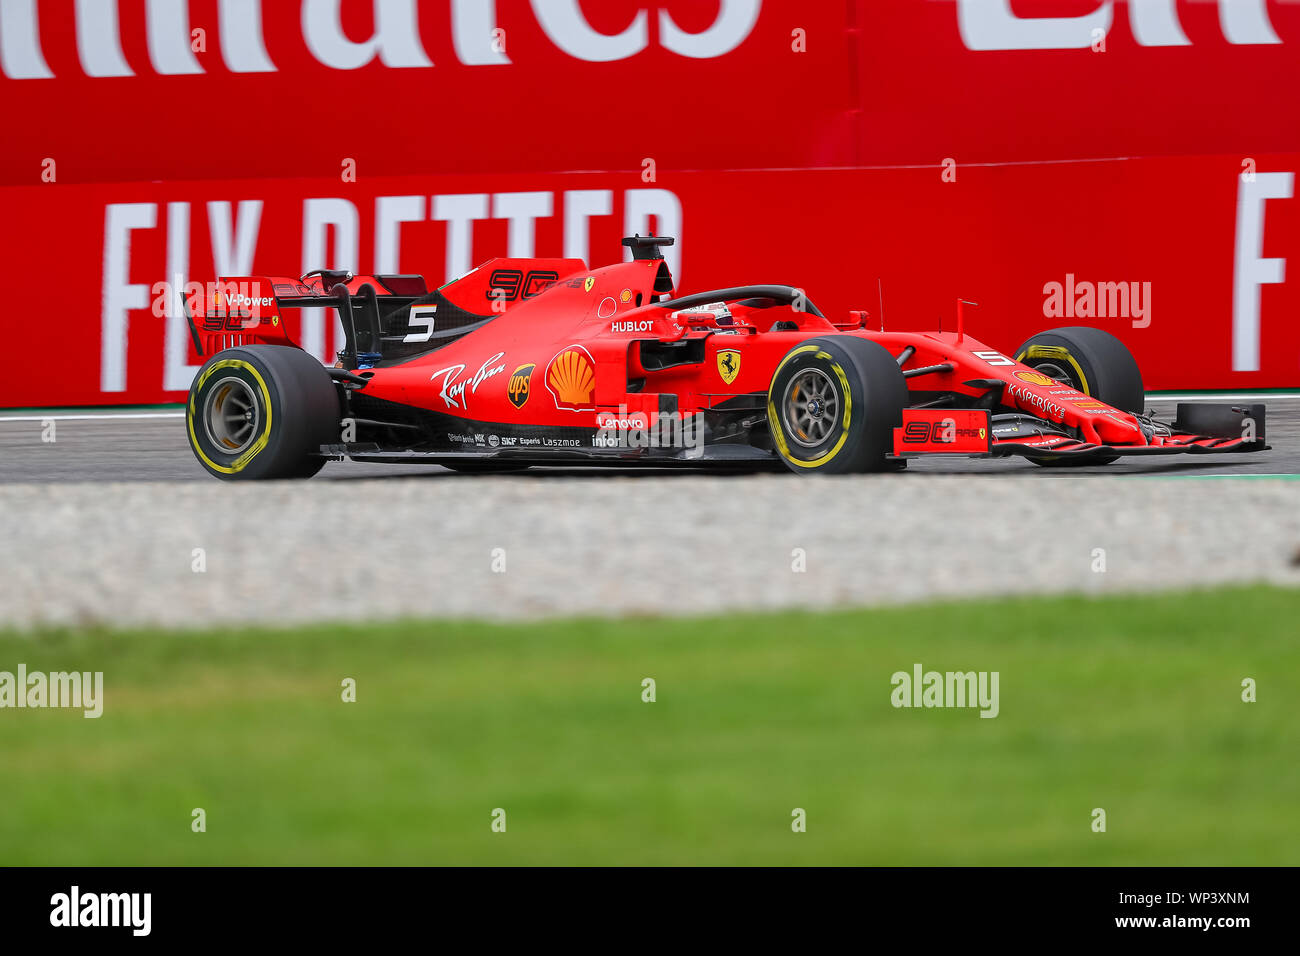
[521,380]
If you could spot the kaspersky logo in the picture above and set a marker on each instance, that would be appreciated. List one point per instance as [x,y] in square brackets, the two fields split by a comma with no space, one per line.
[478,38]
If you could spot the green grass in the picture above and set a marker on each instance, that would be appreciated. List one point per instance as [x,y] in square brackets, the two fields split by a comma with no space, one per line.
[1129,704]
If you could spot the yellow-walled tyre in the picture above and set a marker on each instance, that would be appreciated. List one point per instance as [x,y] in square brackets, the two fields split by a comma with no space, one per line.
[1093,361]
[833,405]
[262,411]
[1097,364]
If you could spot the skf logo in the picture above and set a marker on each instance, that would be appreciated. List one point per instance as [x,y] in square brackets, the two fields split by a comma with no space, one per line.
[521,380]
[1035,378]
[728,365]
[571,379]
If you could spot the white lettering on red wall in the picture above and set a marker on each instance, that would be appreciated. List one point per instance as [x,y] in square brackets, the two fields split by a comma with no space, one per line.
[395,41]
[993,25]
[331,229]
[1250,269]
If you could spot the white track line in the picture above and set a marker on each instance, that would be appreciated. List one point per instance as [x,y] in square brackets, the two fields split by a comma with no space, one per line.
[88,418]
[1215,396]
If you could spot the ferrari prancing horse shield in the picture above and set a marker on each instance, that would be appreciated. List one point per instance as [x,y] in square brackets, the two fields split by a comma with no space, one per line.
[728,365]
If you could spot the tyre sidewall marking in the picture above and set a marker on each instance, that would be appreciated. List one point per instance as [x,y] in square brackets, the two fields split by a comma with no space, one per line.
[773,417]
[240,463]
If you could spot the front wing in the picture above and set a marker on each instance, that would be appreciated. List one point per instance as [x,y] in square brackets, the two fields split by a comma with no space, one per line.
[1173,445]
[976,433]
[924,432]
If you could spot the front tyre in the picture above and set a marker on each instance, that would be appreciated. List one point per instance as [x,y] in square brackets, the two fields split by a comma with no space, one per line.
[1094,362]
[262,411]
[833,405]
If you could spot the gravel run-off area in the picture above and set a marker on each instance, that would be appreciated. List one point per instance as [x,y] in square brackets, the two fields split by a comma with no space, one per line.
[526,546]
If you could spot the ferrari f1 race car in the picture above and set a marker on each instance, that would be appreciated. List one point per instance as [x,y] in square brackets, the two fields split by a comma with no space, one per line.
[544,361]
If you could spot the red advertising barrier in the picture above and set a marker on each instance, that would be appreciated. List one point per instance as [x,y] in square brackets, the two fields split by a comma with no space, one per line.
[128,90]
[1180,257]
[293,88]
[1040,80]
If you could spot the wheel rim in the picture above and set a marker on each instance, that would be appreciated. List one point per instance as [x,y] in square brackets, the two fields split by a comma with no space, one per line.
[231,415]
[1054,371]
[811,407]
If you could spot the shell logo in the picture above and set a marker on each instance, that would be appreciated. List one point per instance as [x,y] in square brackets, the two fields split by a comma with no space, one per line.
[571,379]
[1036,378]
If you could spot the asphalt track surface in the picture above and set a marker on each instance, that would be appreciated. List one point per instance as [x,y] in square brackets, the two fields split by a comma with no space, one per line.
[151,445]
[102,527]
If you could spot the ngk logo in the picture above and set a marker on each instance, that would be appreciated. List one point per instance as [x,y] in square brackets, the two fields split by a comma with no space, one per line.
[394,41]
[992,25]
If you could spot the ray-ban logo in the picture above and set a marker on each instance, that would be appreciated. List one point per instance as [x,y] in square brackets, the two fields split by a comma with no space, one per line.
[923,688]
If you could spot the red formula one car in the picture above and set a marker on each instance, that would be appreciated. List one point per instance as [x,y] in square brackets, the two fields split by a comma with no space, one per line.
[544,361]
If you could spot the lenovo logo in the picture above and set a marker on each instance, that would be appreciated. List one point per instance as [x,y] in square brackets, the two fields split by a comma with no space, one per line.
[394,41]
[992,25]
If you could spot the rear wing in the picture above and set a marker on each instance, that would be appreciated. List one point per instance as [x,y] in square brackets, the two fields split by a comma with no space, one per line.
[238,311]
[383,316]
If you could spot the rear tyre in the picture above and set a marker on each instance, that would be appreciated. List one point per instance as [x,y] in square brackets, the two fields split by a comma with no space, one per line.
[262,411]
[1094,362]
[833,405]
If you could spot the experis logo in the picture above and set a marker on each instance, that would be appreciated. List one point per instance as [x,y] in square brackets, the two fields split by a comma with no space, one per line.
[477,37]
